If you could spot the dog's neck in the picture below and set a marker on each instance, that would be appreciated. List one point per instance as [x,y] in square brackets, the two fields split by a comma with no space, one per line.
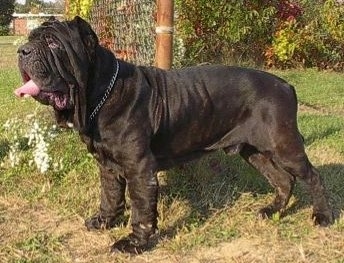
[106,94]
[103,68]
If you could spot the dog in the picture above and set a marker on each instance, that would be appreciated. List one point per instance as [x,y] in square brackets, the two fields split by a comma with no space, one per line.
[137,120]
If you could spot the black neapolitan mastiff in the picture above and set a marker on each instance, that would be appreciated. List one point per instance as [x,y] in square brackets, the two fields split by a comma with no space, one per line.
[138,120]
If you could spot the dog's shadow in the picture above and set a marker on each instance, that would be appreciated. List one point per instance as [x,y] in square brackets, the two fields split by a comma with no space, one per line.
[332,175]
[216,182]
[207,186]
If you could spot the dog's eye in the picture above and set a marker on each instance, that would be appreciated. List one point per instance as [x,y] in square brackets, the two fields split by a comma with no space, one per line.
[51,43]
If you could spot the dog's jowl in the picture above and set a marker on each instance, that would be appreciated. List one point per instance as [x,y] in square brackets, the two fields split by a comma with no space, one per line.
[138,120]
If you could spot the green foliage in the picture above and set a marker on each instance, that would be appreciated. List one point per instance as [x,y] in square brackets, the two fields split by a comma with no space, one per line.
[222,31]
[332,17]
[79,7]
[281,44]
[6,11]
[314,39]
[276,33]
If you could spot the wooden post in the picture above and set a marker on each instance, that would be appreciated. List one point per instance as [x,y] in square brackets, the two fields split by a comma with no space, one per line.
[67,8]
[164,34]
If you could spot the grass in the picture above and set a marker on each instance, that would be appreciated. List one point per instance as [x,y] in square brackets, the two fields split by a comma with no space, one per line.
[207,210]
[8,51]
[322,91]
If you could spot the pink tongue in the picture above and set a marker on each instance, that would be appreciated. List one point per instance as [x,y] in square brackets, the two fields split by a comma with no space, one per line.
[29,88]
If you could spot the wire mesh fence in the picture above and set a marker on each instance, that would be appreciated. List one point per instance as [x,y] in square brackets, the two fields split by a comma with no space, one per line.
[127,27]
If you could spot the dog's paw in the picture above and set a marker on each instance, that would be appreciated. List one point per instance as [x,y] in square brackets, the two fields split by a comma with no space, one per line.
[129,245]
[98,222]
[322,219]
[266,212]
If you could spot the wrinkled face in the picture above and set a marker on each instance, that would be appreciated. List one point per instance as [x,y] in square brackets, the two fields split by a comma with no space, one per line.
[55,65]
[40,66]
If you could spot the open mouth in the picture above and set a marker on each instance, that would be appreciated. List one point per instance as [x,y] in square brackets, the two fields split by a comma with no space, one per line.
[25,76]
[57,99]
[30,88]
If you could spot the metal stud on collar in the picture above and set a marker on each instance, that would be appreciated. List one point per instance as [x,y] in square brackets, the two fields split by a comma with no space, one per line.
[106,94]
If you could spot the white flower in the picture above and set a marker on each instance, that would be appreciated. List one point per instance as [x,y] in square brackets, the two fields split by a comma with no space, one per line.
[14,155]
[38,138]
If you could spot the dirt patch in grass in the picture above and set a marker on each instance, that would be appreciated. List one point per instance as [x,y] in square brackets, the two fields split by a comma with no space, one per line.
[337,111]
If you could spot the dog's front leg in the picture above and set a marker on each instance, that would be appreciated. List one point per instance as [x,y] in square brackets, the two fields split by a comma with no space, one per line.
[143,191]
[112,203]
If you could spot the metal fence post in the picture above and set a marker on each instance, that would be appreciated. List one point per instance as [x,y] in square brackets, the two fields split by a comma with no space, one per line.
[164,34]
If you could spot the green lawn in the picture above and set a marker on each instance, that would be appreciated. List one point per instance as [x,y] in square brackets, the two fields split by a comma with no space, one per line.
[207,210]
[321,90]
[8,51]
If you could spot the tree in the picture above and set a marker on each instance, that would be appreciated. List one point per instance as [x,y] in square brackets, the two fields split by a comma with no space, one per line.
[6,11]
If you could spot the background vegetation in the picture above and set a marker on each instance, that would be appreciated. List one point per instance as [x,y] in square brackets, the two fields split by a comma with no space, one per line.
[272,33]
[6,10]
[40,6]
[79,7]
[8,7]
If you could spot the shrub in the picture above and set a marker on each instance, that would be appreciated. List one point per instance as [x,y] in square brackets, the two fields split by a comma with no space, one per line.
[6,11]
[314,39]
[276,33]
[216,31]
[4,30]
[79,7]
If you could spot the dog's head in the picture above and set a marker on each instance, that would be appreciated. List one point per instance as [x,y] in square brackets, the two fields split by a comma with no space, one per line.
[55,66]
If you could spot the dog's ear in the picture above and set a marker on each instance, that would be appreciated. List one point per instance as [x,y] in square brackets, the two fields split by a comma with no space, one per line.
[80,119]
[80,43]
[88,36]
[90,42]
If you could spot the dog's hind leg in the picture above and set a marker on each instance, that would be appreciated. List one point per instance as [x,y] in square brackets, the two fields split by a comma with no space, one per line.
[282,181]
[290,155]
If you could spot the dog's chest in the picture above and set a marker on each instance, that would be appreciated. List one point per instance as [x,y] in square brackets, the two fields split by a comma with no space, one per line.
[104,156]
